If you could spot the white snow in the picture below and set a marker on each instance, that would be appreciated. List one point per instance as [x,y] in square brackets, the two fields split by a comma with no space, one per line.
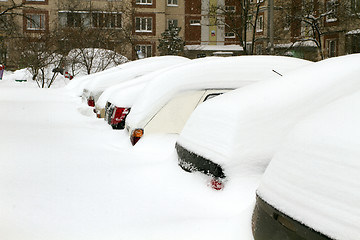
[214,47]
[242,129]
[10,77]
[314,177]
[126,93]
[136,69]
[206,73]
[65,175]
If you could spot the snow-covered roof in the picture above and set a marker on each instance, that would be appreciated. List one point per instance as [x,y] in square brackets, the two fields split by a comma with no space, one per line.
[207,73]
[124,94]
[213,47]
[307,43]
[132,70]
[315,178]
[356,31]
[246,126]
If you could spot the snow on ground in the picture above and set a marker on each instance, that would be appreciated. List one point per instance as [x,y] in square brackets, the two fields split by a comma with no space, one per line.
[65,174]
[10,77]
[314,178]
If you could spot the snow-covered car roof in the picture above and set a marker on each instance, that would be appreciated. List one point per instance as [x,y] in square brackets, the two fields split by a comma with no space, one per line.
[246,126]
[132,70]
[78,83]
[314,177]
[124,94]
[207,73]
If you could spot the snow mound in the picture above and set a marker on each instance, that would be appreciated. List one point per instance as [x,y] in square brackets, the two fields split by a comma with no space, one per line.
[314,178]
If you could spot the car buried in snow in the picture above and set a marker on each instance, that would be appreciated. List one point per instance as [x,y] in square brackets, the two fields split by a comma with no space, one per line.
[310,189]
[115,102]
[126,72]
[239,132]
[166,103]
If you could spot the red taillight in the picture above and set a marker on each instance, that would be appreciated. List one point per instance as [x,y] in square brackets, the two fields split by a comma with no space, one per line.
[136,135]
[91,102]
[119,115]
[216,184]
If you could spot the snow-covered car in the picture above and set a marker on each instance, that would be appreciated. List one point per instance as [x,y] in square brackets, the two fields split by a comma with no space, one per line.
[129,71]
[167,102]
[122,96]
[245,127]
[310,189]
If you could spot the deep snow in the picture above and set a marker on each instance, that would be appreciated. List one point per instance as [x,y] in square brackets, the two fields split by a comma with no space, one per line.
[66,175]
[314,177]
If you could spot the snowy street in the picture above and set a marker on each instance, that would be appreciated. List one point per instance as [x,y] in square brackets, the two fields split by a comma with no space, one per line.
[65,174]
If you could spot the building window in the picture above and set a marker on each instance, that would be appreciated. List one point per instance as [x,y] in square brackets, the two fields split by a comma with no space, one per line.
[260,24]
[42,2]
[106,20]
[353,43]
[229,35]
[332,45]
[355,6]
[172,23]
[144,2]
[195,22]
[249,23]
[172,2]
[90,19]
[230,9]
[143,24]
[143,50]
[331,9]
[35,21]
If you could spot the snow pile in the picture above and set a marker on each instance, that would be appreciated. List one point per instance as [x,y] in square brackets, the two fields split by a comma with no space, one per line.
[125,94]
[66,176]
[23,78]
[315,178]
[245,127]
[134,69]
[207,73]
[99,59]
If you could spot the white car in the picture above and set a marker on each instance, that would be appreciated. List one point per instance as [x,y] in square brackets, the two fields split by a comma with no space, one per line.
[244,128]
[128,71]
[166,103]
[310,189]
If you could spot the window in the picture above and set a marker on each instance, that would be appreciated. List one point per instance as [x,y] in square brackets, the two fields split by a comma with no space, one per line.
[106,20]
[90,19]
[172,2]
[230,8]
[173,23]
[331,9]
[353,43]
[355,6]
[332,45]
[229,35]
[35,21]
[144,2]
[144,50]
[260,24]
[195,22]
[42,2]
[143,24]
[249,23]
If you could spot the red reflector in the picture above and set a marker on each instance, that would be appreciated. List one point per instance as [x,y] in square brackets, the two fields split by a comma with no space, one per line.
[216,184]
[136,135]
